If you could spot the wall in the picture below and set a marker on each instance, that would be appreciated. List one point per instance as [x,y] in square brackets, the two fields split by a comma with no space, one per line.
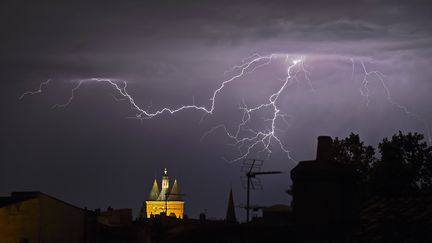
[61,222]
[20,221]
[42,219]
[158,207]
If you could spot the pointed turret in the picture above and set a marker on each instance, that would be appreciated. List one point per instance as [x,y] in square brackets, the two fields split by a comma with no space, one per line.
[230,215]
[154,193]
[175,193]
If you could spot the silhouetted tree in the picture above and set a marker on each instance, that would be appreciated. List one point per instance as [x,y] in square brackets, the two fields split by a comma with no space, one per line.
[361,157]
[352,151]
[405,165]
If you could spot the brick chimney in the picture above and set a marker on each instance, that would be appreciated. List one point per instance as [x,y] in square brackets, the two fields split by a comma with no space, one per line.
[324,148]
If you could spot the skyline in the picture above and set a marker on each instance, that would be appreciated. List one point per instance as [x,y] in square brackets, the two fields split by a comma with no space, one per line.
[173,54]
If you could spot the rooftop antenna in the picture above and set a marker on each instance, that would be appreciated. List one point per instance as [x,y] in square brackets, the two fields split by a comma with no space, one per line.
[252,168]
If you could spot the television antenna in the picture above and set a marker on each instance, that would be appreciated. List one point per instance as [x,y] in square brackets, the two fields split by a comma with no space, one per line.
[252,168]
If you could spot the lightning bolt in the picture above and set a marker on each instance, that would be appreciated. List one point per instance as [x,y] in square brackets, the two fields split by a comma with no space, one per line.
[263,138]
[244,138]
[41,85]
[367,74]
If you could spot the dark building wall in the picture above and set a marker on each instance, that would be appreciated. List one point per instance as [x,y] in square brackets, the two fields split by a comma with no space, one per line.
[324,194]
[323,203]
[115,217]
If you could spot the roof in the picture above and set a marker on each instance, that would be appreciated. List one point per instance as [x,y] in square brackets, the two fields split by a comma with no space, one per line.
[326,170]
[400,218]
[175,195]
[162,195]
[17,197]
[277,208]
[169,193]
[154,192]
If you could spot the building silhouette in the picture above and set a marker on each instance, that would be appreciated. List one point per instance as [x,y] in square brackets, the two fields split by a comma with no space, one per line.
[38,217]
[325,208]
[167,201]
[325,203]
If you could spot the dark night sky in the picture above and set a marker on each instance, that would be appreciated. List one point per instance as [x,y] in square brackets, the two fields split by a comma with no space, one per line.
[171,52]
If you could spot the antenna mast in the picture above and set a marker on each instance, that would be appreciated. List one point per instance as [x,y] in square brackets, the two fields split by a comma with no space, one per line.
[252,167]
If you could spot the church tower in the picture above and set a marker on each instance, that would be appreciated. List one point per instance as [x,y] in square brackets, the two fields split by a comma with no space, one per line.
[167,201]
[165,185]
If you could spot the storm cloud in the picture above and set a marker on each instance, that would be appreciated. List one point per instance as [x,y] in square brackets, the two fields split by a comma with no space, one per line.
[176,52]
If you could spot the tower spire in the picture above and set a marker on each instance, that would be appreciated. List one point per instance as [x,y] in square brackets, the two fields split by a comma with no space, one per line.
[230,215]
[175,193]
[154,192]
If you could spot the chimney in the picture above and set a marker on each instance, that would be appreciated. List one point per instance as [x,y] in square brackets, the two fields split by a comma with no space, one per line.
[324,148]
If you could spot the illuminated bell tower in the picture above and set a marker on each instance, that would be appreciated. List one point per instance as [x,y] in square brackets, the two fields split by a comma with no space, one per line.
[168,201]
[165,180]
[165,186]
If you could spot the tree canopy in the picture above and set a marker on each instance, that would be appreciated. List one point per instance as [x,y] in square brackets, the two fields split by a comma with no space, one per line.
[404,164]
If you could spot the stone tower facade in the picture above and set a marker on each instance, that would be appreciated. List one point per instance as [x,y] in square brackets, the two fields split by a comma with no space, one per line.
[167,201]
